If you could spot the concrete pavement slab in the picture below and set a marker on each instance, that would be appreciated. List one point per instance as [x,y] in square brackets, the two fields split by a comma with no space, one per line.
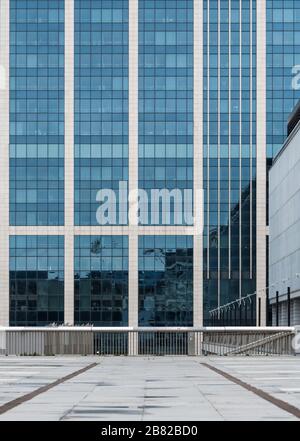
[148,389]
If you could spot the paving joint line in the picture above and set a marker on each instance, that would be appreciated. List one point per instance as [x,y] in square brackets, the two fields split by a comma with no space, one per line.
[283,405]
[27,397]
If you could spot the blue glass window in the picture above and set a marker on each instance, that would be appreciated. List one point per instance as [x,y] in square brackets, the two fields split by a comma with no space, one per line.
[101,280]
[229,139]
[283,54]
[36,280]
[165,96]
[165,281]
[36,112]
[101,102]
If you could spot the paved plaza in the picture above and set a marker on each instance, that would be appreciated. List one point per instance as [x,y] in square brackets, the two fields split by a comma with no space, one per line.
[147,388]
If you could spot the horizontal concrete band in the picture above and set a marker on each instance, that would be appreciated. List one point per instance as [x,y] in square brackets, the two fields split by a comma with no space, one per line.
[158,230]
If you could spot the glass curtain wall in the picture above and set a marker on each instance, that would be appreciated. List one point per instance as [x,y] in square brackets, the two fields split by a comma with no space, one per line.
[229,150]
[283,69]
[101,102]
[36,112]
[36,272]
[101,280]
[165,281]
[165,99]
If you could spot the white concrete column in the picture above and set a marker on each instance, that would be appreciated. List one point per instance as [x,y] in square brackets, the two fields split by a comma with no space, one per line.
[69,162]
[4,162]
[133,280]
[133,160]
[261,180]
[198,165]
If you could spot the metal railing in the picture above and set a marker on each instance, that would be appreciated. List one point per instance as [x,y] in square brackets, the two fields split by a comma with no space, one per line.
[110,343]
[147,341]
[165,342]
[268,341]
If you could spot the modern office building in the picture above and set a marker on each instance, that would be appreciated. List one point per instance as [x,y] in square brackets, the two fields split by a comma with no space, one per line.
[284,222]
[155,94]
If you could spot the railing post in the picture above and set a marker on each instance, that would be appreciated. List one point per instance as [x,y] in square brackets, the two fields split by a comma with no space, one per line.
[194,339]
[289,305]
[133,343]
[277,308]
[3,346]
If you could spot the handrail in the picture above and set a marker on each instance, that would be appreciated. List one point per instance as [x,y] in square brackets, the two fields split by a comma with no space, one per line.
[84,340]
[152,329]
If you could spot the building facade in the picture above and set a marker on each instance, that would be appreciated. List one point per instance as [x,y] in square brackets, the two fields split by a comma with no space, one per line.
[182,95]
[284,257]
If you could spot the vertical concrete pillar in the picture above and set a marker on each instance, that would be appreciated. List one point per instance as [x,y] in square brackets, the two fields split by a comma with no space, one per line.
[69,162]
[133,166]
[4,162]
[198,165]
[133,280]
[261,180]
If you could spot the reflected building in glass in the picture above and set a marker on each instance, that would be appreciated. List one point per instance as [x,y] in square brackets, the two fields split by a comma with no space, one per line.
[188,95]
